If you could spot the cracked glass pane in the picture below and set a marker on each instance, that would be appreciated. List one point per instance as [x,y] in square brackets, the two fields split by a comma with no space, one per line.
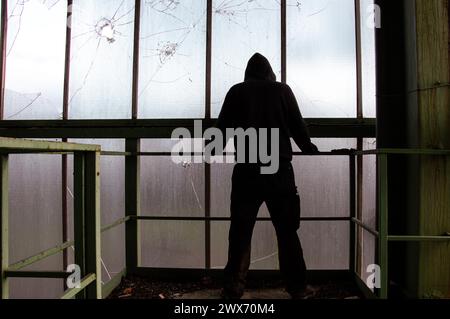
[240,29]
[321,56]
[101,59]
[35,59]
[368,59]
[172,59]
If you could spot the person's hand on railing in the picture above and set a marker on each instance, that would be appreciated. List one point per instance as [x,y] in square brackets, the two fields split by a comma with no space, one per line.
[344,151]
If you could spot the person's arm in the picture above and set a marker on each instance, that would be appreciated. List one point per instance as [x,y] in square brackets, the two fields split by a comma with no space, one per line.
[297,126]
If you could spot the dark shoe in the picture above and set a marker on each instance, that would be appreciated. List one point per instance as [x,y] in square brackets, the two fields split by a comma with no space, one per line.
[308,292]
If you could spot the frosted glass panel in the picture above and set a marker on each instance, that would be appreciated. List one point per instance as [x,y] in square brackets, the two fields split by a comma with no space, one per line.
[102,59]
[264,246]
[35,219]
[172,59]
[35,59]
[240,29]
[368,60]
[322,56]
[369,186]
[167,188]
[172,244]
[325,245]
[323,181]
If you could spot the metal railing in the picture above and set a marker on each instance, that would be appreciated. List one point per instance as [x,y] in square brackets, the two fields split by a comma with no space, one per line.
[87,214]
[86,217]
[382,233]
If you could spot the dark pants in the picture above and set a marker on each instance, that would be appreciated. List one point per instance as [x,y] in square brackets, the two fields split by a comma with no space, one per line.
[279,192]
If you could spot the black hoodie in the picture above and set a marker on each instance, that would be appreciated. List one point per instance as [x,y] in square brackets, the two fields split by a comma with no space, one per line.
[261,102]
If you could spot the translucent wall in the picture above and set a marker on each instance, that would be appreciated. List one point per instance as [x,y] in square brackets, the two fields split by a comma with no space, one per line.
[35,220]
[368,58]
[34,88]
[369,206]
[240,29]
[170,189]
[102,59]
[112,205]
[172,59]
[321,56]
[35,60]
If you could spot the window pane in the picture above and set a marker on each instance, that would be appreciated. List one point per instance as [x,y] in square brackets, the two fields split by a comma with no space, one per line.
[172,244]
[35,219]
[169,188]
[240,29]
[102,59]
[368,59]
[35,59]
[172,59]
[322,56]
[325,245]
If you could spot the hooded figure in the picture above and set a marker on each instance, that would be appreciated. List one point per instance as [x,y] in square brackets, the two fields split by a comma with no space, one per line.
[262,103]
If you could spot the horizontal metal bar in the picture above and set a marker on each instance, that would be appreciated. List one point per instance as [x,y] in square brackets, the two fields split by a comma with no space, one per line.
[331,127]
[115,224]
[86,281]
[418,238]
[224,219]
[38,257]
[21,145]
[111,285]
[38,274]
[365,227]
[405,152]
[167,154]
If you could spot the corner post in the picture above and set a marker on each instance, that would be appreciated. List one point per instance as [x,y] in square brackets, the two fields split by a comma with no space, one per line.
[383,218]
[4,244]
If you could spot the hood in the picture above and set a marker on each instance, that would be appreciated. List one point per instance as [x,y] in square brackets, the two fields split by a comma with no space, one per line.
[259,68]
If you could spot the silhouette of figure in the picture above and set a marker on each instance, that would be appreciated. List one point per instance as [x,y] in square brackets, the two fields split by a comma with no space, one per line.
[261,102]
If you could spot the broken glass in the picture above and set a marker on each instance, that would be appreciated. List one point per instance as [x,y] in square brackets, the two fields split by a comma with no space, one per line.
[35,59]
[172,59]
[101,59]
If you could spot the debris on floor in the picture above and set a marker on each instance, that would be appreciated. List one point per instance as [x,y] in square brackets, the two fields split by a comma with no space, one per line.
[144,288]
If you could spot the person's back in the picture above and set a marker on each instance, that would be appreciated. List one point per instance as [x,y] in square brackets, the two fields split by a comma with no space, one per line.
[262,103]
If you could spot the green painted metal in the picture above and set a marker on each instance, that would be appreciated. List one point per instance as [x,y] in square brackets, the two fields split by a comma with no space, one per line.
[38,274]
[85,282]
[40,256]
[4,236]
[111,285]
[383,224]
[132,205]
[135,129]
[393,151]
[419,238]
[115,224]
[92,223]
[79,214]
[26,146]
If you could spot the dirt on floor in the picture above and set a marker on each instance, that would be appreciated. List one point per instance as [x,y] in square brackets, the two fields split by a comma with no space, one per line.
[145,288]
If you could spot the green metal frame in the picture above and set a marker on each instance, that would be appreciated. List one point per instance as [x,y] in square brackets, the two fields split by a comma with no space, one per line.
[87,217]
[382,234]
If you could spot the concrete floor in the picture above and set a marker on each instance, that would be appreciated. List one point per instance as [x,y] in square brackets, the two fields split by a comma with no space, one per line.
[256,294]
